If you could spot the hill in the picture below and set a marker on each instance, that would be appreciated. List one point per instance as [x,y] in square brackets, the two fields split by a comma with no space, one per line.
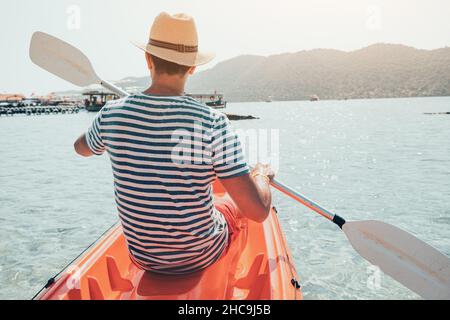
[377,71]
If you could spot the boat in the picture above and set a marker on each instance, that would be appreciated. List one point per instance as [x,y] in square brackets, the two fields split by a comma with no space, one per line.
[314,98]
[214,100]
[97,99]
[258,265]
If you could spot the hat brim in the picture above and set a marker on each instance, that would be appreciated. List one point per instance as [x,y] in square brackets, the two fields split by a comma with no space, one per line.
[190,59]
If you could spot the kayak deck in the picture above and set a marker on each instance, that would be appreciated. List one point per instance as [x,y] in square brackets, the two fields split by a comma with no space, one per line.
[257,266]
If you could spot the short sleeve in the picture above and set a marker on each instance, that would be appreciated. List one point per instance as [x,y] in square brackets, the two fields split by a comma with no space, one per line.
[94,138]
[227,155]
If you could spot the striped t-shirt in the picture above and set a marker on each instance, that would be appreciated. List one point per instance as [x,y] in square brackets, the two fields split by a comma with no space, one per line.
[165,153]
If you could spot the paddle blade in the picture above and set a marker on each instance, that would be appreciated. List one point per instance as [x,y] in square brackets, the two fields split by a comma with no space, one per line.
[402,256]
[62,59]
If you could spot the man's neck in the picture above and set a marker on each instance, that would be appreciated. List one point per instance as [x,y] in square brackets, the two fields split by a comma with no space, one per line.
[166,86]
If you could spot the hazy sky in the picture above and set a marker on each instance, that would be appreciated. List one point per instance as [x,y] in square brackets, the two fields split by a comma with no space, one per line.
[103,29]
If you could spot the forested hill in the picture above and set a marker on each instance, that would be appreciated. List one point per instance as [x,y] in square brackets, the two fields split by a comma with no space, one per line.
[377,71]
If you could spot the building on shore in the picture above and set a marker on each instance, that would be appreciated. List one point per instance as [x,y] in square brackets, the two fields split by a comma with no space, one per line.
[13,99]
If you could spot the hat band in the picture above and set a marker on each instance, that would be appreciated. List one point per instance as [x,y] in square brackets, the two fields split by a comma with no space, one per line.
[173,46]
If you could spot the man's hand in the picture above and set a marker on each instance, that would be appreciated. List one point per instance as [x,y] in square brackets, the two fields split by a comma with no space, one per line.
[263,170]
[82,148]
[251,192]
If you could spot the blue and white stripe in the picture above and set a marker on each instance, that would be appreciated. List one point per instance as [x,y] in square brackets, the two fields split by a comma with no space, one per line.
[165,153]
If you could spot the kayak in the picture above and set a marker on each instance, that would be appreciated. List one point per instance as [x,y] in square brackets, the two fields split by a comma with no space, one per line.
[257,266]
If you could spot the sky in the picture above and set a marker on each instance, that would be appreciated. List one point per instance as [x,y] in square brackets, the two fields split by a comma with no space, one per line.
[103,29]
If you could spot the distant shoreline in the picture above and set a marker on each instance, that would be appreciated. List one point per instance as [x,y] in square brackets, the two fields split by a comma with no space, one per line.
[340,100]
[68,93]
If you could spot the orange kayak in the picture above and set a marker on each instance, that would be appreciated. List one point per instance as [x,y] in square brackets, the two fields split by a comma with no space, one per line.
[257,266]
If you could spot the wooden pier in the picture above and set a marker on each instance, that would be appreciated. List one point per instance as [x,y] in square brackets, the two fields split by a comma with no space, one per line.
[39,110]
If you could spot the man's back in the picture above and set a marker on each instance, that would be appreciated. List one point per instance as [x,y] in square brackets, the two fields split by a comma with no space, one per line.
[165,154]
[166,149]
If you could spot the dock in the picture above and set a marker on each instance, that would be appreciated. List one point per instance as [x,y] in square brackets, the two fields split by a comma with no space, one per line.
[39,110]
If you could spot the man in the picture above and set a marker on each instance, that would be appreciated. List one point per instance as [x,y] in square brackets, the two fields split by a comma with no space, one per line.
[163,185]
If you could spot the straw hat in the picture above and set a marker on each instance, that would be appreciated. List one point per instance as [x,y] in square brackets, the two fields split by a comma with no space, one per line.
[174,38]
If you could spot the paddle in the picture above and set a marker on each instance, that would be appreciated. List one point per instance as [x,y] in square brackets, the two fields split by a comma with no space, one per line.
[397,253]
[66,61]
[405,258]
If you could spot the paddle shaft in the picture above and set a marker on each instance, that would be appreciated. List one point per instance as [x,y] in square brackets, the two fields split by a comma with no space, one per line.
[307,202]
[113,88]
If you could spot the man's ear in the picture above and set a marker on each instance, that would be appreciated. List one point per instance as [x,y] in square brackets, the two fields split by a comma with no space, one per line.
[150,64]
[192,70]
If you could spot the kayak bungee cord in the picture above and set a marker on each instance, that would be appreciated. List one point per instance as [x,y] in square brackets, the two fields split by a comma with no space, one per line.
[295,282]
[53,279]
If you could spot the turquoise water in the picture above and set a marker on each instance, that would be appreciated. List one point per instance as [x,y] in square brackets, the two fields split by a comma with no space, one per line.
[364,159]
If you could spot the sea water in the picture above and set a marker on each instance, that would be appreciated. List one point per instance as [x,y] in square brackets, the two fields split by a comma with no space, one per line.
[363,159]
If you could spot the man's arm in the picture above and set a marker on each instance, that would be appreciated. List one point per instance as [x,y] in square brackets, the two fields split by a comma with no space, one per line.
[91,143]
[81,147]
[251,193]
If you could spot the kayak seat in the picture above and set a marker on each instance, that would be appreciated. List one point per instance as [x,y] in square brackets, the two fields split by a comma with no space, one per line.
[202,285]
[118,283]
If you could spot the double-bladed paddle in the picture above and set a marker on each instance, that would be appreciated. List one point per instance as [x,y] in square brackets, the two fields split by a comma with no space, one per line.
[402,256]
[67,62]
[410,261]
